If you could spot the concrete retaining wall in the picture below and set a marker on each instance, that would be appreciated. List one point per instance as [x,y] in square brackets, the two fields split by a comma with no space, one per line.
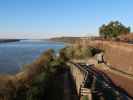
[77,75]
[118,55]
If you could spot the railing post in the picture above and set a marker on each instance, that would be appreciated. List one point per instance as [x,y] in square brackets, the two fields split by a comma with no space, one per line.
[93,83]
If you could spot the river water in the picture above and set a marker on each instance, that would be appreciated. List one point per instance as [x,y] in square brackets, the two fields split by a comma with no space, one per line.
[14,55]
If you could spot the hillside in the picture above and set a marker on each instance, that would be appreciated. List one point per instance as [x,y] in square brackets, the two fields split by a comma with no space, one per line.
[65,39]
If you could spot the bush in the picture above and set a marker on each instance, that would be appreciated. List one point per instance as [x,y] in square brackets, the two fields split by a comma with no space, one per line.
[75,52]
[95,51]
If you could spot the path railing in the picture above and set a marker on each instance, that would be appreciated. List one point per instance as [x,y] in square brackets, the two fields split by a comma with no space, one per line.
[90,81]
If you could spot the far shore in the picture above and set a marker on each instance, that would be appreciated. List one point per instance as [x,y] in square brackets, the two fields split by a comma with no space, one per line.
[8,40]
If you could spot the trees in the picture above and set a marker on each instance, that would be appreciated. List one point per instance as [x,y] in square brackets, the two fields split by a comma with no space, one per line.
[113,29]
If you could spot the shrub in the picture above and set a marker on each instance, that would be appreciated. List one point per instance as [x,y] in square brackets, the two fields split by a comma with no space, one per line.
[75,52]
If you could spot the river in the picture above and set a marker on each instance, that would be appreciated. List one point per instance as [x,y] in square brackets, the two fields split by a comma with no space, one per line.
[14,55]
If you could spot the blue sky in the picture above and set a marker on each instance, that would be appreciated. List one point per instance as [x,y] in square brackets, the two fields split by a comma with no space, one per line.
[48,18]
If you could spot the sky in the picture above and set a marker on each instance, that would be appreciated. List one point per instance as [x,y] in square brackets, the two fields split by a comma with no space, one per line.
[51,18]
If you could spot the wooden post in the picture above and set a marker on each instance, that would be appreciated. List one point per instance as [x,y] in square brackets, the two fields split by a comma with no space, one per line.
[93,83]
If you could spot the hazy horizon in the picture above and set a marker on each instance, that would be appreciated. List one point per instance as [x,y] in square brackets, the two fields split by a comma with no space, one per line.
[54,18]
[40,36]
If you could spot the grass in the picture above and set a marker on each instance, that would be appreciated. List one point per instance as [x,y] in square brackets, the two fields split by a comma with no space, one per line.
[85,98]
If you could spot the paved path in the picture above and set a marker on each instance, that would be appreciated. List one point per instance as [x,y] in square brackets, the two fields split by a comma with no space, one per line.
[121,80]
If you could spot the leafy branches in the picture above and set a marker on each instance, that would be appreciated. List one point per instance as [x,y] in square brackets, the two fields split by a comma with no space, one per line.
[113,29]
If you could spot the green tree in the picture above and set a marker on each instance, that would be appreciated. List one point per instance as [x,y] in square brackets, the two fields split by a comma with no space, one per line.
[113,29]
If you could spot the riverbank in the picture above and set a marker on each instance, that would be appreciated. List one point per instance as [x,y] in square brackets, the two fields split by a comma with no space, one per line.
[12,85]
[43,79]
[46,78]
